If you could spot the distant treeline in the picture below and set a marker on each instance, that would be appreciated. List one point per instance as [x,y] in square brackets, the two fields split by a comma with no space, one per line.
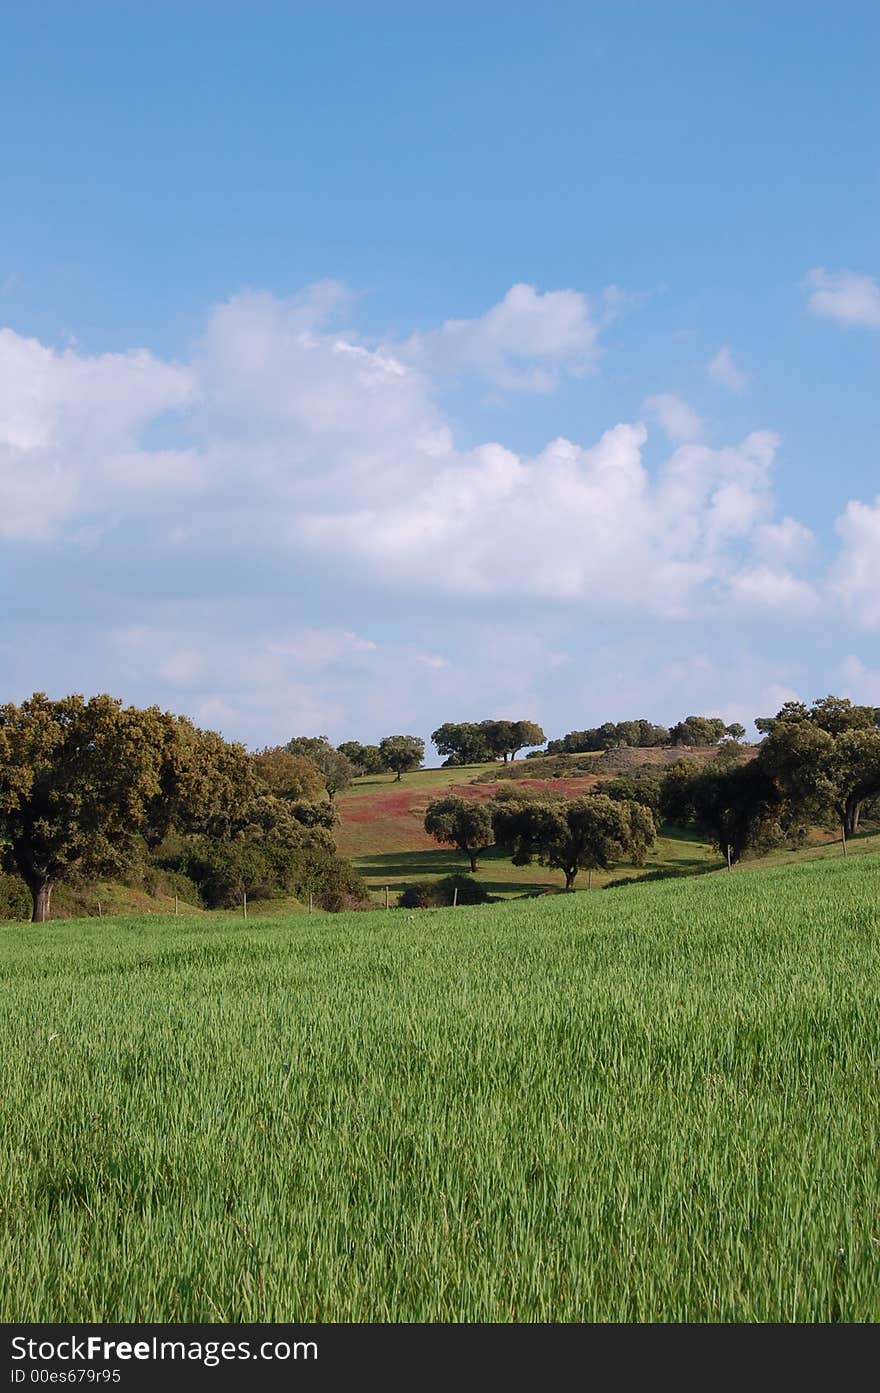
[614,735]
[817,766]
[477,742]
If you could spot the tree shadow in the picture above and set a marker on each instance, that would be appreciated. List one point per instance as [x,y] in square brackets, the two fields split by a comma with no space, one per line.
[398,869]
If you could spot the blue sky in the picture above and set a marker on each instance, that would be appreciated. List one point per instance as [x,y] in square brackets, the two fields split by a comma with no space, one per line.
[365,367]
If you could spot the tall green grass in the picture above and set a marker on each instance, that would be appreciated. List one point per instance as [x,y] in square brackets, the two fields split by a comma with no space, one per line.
[657,1104]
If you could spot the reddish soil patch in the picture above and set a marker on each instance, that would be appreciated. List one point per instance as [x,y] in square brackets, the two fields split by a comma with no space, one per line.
[396,802]
[391,820]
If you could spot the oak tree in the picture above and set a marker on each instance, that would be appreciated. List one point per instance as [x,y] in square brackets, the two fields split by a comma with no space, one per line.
[456,822]
[593,833]
[79,780]
[401,753]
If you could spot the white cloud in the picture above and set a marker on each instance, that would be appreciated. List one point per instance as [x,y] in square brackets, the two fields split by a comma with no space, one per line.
[69,431]
[855,576]
[723,370]
[844,295]
[676,418]
[276,681]
[286,437]
[524,343]
[862,683]
[588,525]
[319,649]
[786,542]
[775,592]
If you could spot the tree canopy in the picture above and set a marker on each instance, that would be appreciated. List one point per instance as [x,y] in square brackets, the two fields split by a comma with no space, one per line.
[739,806]
[79,780]
[86,785]
[287,775]
[594,832]
[698,730]
[475,742]
[459,823]
[334,767]
[610,736]
[401,753]
[832,714]
[364,759]
[817,764]
[822,772]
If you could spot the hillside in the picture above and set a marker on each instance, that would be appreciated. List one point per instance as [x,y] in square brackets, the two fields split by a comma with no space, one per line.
[382,832]
[381,814]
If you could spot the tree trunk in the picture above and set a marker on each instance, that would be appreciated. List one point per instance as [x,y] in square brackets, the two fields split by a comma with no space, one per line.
[473,856]
[41,892]
[852,812]
[569,879]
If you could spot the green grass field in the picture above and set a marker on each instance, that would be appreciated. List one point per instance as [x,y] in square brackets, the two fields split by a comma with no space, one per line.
[683,852]
[657,1103]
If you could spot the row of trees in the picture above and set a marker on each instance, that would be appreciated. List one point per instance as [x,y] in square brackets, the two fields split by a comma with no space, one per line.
[477,742]
[644,734]
[338,767]
[396,754]
[568,834]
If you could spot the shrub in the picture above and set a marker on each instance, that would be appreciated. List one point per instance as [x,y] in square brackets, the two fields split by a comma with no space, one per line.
[15,899]
[333,881]
[436,894]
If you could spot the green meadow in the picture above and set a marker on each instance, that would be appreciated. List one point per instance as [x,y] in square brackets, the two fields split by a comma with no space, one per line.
[658,1103]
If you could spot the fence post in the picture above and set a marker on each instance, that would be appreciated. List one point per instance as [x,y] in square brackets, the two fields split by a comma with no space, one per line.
[310,902]
[175,905]
[386,896]
[455,897]
[244,902]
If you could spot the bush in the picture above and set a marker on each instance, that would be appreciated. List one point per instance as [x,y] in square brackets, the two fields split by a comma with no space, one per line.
[295,859]
[435,894]
[176,883]
[641,786]
[163,882]
[334,883]
[15,899]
